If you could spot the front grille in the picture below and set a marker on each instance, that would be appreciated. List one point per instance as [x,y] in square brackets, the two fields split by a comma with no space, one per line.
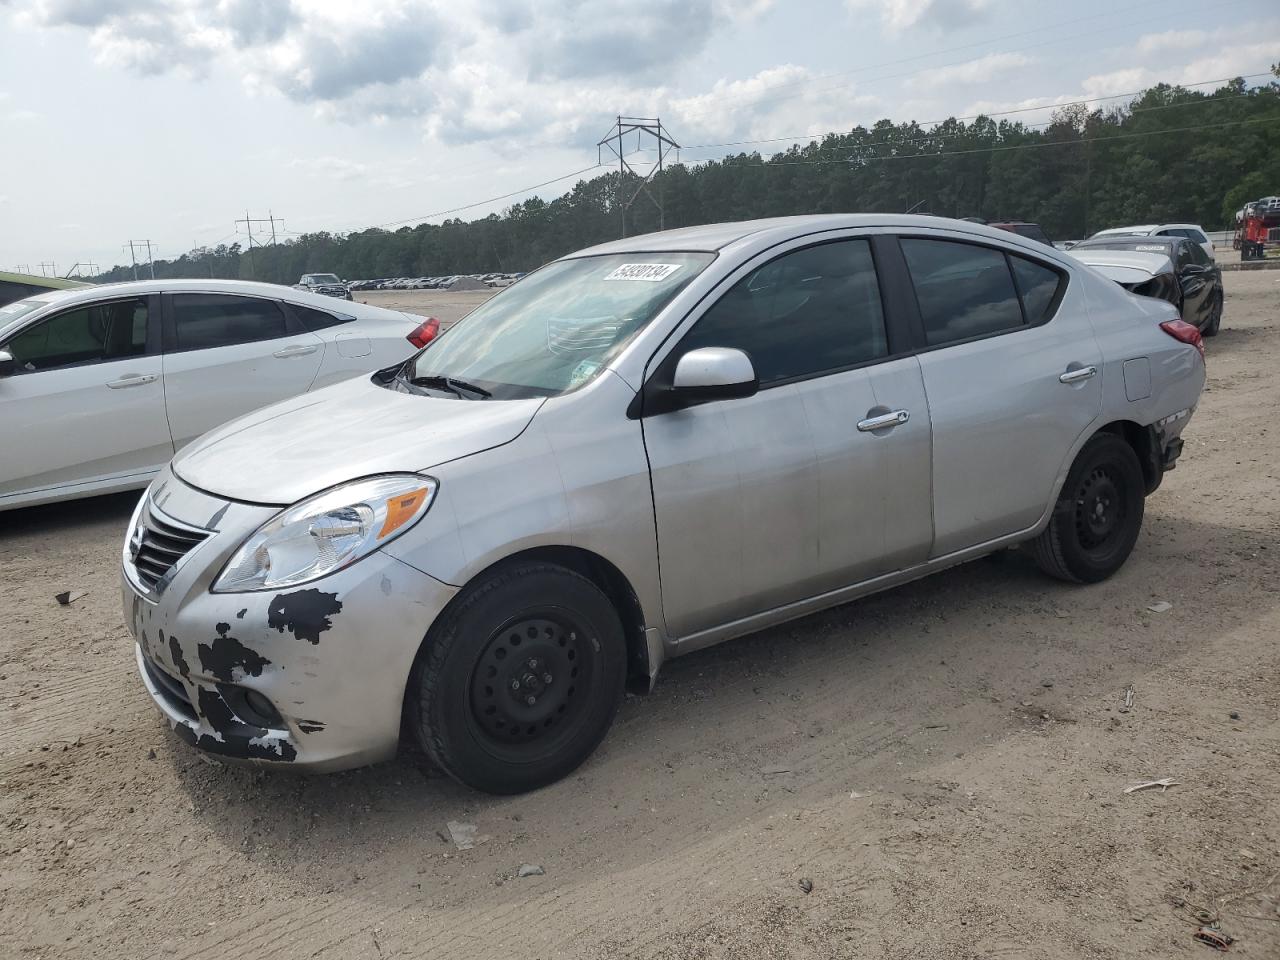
[170,688]
[163,545]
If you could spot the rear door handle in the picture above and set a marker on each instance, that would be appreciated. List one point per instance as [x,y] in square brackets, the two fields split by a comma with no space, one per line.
[300,350]
[134,380]
[884,421]
[1075,376]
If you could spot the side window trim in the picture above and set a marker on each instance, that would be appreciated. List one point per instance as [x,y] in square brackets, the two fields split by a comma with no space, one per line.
[659,373]
[921,343]
[292,326]
[151,345]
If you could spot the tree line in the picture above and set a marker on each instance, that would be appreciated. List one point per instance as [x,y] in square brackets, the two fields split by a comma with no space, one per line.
[1172,154]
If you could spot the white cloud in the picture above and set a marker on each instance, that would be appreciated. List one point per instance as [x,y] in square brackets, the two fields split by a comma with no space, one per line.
[1172,40]
[1116,82]
[774,102]
[981,70]
[898,15]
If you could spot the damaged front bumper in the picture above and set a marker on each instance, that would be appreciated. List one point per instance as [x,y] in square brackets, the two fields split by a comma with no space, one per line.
[311,676]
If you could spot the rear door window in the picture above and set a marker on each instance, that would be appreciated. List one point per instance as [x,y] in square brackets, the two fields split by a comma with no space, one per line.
[314,319]
[963,290]
[96,333]
[1038,286]
[1183,257]
[205,320]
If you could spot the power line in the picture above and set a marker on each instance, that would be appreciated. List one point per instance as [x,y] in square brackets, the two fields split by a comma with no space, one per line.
[481,203]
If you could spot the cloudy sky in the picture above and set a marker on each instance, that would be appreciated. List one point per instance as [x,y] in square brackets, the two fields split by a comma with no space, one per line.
[169,119]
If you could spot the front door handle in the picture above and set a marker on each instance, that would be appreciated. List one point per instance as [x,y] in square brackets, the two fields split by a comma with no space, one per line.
[301,350]
[1075,376]
[133,380]
[884,421]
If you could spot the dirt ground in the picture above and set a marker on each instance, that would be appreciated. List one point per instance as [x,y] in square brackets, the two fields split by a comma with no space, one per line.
[448,307]
[944,763]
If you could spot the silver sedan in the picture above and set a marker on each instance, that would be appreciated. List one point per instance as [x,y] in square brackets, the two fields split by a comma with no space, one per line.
[639,450]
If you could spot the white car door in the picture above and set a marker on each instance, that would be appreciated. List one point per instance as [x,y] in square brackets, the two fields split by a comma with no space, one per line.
[226,355]
[82,407]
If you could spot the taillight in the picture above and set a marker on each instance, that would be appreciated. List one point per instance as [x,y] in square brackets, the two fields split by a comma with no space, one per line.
[428,330]
[1185,332]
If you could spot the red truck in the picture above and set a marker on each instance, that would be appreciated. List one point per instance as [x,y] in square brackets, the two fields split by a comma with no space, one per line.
[1257,226]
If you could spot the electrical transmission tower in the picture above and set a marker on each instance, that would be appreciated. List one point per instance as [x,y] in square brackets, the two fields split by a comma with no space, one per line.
[133,247]
[640,126]
[248,222]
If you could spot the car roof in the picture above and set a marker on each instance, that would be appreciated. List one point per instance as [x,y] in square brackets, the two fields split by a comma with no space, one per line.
[245,287]
[713,237]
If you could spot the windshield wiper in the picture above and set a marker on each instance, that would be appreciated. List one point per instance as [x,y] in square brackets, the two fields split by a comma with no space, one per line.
[452,384]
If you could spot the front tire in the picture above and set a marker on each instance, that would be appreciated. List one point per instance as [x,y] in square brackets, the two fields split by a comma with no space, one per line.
[1098,516]
[520,679]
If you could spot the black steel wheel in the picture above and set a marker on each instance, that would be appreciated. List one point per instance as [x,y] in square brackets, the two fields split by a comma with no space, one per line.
[532,683]
[1098,515]
[519,679]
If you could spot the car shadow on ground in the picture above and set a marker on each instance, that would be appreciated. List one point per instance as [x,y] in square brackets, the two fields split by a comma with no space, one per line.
[52,518]
[841,695]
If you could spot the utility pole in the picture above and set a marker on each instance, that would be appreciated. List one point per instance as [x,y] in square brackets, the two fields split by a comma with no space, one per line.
[133,246]
[52,267]
[249,221]
[86,264]
[614,141]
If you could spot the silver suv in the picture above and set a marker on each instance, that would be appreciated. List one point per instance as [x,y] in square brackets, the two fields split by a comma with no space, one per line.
[637,451]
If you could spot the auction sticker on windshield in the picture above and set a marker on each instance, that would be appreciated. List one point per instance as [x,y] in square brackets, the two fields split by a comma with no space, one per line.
[652,272]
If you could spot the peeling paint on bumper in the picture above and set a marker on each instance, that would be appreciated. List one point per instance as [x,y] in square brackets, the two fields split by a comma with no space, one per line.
[331,658]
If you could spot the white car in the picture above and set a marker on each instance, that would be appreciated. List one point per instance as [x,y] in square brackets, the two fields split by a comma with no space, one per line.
[1192,231]
[100,386]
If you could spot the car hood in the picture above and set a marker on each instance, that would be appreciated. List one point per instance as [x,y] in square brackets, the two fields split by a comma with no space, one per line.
[287,451]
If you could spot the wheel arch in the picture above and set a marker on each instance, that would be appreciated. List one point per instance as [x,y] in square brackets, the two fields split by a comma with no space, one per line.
[1145,445]
[606,576]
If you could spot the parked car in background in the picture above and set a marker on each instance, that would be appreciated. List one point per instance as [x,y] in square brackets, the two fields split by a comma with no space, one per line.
[1191,231]
[1032,231]
[637,451]
[1196,287]
[99,386]
[326,284]
[18,286]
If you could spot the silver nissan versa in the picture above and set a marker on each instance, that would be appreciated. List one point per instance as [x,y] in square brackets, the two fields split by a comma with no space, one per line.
[639,450]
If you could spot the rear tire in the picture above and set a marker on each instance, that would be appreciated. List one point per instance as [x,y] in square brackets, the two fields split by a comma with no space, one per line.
[520,678]
[1098,516]
[1215,317]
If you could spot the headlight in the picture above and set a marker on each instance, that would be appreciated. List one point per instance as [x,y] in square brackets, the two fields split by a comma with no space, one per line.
[327,532]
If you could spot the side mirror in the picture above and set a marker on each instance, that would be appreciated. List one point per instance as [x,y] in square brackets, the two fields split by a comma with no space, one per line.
[8,365]
[713,373]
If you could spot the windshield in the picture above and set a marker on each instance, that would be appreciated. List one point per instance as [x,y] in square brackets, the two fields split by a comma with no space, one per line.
[10,313]
[556,328]
[321,278]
